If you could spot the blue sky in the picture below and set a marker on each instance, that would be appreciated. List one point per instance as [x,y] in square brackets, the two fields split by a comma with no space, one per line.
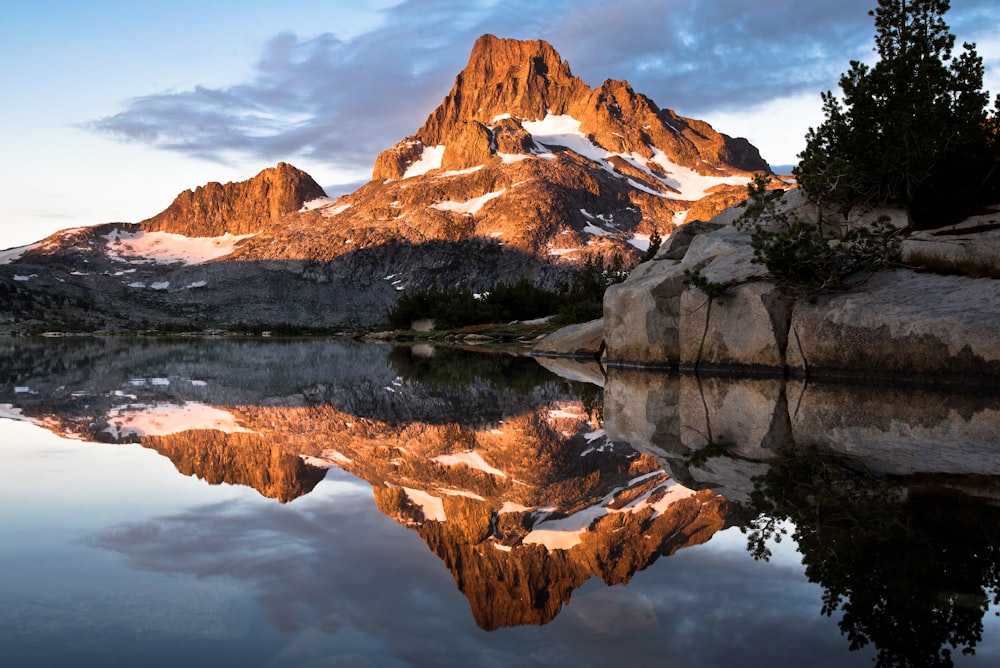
[111,108]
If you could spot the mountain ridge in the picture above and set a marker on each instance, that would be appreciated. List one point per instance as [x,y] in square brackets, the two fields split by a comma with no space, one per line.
[523,171]
[244,207]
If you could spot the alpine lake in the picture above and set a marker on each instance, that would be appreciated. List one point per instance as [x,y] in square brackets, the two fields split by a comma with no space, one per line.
[306,502]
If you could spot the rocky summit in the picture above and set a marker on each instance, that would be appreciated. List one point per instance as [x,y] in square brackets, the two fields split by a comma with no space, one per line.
[246,207]
[523,171]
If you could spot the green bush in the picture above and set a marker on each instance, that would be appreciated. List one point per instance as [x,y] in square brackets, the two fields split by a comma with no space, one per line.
[805,261]
[458,306]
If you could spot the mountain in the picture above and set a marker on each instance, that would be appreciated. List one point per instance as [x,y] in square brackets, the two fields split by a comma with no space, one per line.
[523,170]
[522,152]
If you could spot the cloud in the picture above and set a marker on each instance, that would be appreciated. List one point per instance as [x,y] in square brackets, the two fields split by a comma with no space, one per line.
[339,102]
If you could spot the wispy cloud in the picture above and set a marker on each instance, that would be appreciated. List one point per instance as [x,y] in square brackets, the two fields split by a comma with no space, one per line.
[340,101]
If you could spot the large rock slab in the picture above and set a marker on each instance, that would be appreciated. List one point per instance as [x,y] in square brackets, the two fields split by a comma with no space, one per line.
[746,327]
[900,322]
[643,316]
[975,237]
[581,340]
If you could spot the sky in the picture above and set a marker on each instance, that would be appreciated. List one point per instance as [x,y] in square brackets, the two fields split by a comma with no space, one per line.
[110,108]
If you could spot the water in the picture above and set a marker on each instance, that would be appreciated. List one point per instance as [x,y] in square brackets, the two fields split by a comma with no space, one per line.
[308,503]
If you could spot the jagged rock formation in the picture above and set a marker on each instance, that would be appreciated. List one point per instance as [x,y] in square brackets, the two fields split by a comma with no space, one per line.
[246,207]
[523,171]
[507,82]
[238,459]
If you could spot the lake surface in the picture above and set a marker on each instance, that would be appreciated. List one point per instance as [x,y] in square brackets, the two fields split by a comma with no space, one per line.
[314,503]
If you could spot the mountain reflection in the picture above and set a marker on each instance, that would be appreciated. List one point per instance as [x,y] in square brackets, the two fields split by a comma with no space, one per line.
[525,484]
[502,468]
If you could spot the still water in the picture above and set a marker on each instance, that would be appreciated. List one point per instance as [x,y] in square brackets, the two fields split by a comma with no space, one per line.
[311,503]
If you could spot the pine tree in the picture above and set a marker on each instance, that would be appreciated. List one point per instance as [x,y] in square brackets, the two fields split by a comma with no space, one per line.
[913,129]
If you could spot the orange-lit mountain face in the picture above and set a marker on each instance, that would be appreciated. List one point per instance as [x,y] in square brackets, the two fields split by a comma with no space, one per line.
[519,492]
[522,171]
[522,152]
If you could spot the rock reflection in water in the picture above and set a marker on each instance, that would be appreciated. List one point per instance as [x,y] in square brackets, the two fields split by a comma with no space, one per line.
[891,494]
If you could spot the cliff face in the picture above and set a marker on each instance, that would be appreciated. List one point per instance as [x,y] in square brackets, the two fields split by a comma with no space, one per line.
[245,207]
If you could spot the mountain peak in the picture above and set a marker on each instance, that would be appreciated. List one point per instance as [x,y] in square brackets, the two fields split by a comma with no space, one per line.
[245,207]
[509,83]
[498,54]
[525,79]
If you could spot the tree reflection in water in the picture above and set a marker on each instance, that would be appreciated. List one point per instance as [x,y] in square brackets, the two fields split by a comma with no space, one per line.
[912,569]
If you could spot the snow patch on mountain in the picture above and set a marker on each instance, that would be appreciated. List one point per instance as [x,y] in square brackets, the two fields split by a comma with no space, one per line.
[169,248]
[431,506]
[510,158]
[469,206]
[318,203]
[640,241]
[567,532]
[12,254]
[564,130]
[460,172]
[162,419]
[430,159]
[472,459]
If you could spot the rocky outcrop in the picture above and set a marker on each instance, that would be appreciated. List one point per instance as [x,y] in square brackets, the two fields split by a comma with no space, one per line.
[583,340]
[895,323]
[901,323]
[245,207]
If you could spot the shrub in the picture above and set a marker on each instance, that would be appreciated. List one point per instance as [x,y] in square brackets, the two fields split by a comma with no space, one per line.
[801,258]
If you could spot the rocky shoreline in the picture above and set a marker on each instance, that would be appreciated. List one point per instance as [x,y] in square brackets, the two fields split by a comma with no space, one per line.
[898,323]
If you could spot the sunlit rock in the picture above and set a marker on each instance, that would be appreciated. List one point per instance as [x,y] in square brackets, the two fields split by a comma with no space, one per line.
[582,340]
